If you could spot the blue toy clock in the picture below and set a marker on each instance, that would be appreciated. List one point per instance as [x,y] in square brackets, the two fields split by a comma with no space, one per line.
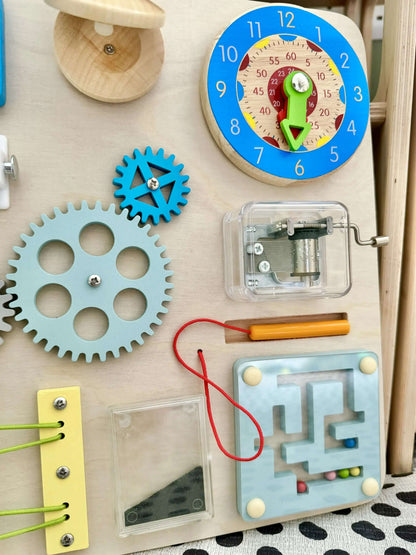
[284,94]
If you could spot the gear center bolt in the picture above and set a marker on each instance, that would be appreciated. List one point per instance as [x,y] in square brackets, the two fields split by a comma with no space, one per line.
[94,280]
[153,184]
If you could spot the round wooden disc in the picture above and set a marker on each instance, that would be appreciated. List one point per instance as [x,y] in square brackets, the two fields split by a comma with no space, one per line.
[127,13]
[117,68]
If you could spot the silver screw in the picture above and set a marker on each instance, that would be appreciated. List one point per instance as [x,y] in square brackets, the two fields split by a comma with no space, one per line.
[256,248]
[94,280]
[63,472]
[153,183]
[11,167]
[67,540]
[300,82]
[264,266]
[60,403]
[109,49]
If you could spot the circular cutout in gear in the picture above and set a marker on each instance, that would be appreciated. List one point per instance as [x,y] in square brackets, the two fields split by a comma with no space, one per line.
[160,188]
[92,281]
[4,312]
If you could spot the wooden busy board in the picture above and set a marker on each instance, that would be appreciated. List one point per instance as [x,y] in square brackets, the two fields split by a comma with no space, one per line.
[68,147]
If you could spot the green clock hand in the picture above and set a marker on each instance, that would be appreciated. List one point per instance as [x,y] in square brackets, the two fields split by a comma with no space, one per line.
[297,87]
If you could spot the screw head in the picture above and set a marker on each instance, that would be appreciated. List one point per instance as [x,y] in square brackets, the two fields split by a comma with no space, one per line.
[109,49]
[94,280]
[11,167]
[63,472]
[60,403]
[153,183]
[67,540]
[300,82]
[264,266]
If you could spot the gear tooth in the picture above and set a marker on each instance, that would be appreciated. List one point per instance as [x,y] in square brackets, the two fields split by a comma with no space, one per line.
[148,151]
[70,207]
[84,205]
[115,353]
[34,227]
[57,212]
[18,250]
[112,208]
[98,206]
[118,182]
[25,238]
[127,159]
[167,217]
[120,171]
[162,249]
[28,328]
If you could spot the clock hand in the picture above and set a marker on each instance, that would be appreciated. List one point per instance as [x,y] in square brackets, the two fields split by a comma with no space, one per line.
[297,87]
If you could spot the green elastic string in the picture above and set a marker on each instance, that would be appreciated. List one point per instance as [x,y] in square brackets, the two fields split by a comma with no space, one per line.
[34,528]
[31,426]
[35,510]
[31,444]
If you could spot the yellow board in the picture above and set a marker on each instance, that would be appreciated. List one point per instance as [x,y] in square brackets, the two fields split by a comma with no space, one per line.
[68,452]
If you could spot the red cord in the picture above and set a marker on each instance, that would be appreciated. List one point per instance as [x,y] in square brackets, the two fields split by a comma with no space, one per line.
[207,382]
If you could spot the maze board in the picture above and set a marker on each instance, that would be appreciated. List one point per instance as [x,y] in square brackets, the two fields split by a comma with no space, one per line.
[308,406]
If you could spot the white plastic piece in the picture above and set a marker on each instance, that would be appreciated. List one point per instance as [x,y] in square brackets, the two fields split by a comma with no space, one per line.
[103,29]
[4,180]
[370,487]
[252,376]
[256,508]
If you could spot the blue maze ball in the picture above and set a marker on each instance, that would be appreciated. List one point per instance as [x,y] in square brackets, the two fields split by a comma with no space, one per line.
[350,443]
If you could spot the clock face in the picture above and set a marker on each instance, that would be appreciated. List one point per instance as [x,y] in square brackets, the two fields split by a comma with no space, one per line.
[288,94]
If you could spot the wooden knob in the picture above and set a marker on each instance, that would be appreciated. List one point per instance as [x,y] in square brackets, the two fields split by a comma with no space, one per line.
[141,14]
[110,50]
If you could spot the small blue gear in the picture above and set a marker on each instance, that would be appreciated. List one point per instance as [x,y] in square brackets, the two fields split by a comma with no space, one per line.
[149,187]
[4,311]
[66,227]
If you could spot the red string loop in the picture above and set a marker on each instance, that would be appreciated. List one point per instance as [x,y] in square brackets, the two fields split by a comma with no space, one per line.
[208,382]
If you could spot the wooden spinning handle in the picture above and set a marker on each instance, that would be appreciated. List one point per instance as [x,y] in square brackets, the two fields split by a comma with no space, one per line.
[141,14]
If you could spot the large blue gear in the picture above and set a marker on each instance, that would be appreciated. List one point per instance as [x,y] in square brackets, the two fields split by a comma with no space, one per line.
[4,311]
[59,332]
[135,197]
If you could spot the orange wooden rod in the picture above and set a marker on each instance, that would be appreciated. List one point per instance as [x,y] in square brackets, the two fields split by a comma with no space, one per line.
[297,330]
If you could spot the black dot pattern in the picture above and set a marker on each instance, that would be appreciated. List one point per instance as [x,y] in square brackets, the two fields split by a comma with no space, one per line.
[195,552]
[368,530]
[383,509]
[336,552]
[396,551]
[272,529]
[312,531]
[230,540]
[387,486]
[407,532]
[341,512]
[266,550]
[407,497]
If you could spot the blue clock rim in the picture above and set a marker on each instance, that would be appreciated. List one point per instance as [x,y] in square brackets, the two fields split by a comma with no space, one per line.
[247,144]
